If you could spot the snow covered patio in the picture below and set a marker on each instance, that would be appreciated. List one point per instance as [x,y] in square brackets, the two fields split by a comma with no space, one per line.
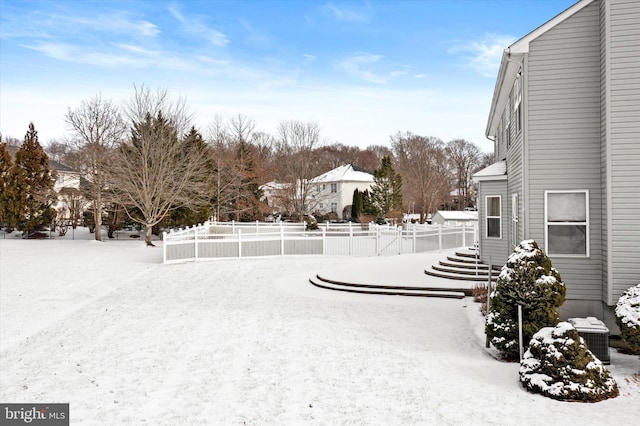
[127,340]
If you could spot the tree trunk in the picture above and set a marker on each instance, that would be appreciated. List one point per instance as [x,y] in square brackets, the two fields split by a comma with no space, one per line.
[97,216]
[147,237]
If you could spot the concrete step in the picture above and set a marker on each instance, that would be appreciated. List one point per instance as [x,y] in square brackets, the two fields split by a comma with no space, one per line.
[458,276]
[389,290]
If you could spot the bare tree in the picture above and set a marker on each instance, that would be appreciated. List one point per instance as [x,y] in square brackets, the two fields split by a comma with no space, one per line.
[97,127]
[422,164]
[464,158]
[155,172]
[296,144]
[56,150]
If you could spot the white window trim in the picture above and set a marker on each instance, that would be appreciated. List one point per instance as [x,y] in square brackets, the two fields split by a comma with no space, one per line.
[586,223]
[517,105]
[514,220]
[487,217]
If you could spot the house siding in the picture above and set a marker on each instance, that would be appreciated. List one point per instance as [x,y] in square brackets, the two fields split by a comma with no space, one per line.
[563,129]
[624,144]
[495,249]
[604,147]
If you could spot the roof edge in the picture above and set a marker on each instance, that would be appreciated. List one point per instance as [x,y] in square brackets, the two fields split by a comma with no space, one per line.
[512,58]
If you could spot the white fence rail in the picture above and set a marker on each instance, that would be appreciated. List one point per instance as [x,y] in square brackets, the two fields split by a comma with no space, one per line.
[213,240]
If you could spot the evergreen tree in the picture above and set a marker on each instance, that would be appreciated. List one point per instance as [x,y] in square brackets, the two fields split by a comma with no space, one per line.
[190,215]
[30,189]
[356,204]
[628,317]
[386,192]
[153,174]
[248,193]
[559,365]
[368,208]
[528,279]
[6,163]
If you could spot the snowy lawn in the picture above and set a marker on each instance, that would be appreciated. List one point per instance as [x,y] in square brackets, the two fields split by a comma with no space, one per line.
[127,340]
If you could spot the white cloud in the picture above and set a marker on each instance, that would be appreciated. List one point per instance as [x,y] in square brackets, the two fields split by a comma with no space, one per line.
[355,66]
[195,26]
[483,55]
[346,14]
[309,58]
[371,68]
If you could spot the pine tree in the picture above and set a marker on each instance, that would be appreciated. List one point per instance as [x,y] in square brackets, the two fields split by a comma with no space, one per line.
[528,279]
[197,213]
[356,204]
[386,192]
[368,208]
[6,163]
[31,182]
[247,201]
[559,365]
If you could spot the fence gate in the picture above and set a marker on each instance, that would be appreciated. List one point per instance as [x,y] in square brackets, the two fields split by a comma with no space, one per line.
[389,241]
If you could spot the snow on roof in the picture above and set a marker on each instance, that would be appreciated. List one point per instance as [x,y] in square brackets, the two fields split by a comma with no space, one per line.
[457,215]
[344,173]
[496,171]
[275,185]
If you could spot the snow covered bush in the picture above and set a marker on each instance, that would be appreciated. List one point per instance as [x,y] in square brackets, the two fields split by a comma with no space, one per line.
[559,365]
[628,317]
[527,279]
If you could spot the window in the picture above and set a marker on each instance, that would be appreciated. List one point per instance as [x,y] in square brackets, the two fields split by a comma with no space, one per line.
[334,187]
[515,238]
[334,207]
[493,209]
[507,121]
[321,206]
[60,178]
[517,109]
[567,223]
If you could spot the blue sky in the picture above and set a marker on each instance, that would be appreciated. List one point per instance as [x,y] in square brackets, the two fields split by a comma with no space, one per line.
[363,70]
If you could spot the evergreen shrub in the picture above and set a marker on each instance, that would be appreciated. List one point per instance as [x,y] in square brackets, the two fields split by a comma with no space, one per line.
[628,317]
[559,365]
[527,279]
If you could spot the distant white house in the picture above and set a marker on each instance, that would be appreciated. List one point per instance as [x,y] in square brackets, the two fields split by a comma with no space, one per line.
[454,218]
[333,190]
[276,195]
[66,176]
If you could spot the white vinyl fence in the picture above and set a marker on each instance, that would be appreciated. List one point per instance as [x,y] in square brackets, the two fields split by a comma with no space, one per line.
[213,240]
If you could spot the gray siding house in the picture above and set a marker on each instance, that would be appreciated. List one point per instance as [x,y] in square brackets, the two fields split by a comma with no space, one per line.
[565,121]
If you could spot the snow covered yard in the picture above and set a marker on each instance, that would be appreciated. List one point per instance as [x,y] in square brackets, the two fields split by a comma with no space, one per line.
[127,340]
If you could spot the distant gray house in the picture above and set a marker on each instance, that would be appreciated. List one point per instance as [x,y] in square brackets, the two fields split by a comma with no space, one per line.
[565,121]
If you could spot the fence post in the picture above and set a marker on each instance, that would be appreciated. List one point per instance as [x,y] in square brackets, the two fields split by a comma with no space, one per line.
[439,238]
[195,241]
[350,240]
[464,235]
[164,247]
[239,243]
[415,240]
[324,241]
[399,234]
[233,226]
[281,240]
[257,227]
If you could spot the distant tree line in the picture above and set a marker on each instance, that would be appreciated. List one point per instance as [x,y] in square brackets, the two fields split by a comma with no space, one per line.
[144,162]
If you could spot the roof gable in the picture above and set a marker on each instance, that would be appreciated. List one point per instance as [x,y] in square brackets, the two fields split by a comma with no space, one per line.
[511,64]
[345,173]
